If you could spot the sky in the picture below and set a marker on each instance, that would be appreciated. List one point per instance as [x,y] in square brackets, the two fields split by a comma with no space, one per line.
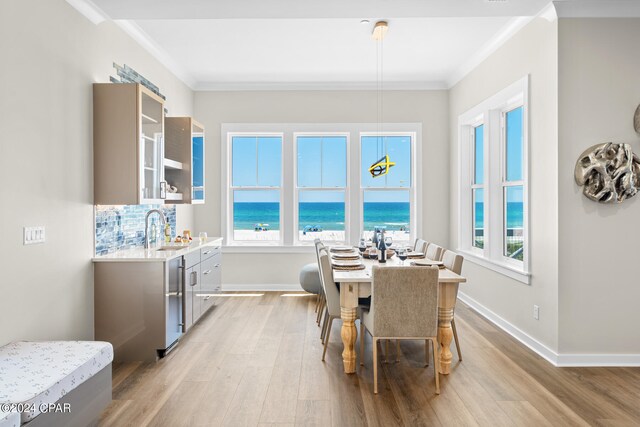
[322,163]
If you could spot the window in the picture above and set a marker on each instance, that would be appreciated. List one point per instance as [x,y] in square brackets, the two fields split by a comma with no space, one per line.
[493,199]
[285,184]
[387,197]
[477,187]
[256,171]
[321,185]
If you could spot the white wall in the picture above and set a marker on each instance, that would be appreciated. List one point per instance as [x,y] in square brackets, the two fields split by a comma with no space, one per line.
[599,90]
[427,107]
[531,51]
[50,57]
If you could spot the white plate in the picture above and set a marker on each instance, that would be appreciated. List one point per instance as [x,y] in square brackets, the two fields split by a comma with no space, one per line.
[415,254]
[428,263]
[341,249]
[347,263]
[345,255]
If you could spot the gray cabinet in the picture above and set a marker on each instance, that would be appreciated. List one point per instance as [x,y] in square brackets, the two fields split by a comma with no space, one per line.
[202,281]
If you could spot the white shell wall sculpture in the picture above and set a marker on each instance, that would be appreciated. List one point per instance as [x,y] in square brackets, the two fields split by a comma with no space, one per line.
[608,173]
[636,120]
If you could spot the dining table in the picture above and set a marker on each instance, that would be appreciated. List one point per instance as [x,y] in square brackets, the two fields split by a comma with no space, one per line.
[356,284]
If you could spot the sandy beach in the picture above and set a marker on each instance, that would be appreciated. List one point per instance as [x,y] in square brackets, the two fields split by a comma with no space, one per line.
[326,235]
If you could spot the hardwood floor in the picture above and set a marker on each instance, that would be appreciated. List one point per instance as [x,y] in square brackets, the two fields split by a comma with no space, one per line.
[255,361]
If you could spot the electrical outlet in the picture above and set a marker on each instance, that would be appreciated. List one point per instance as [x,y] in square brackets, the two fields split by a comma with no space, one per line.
[536,312]
[33,235]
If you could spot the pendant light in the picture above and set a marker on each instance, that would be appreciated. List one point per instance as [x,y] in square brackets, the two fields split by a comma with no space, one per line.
[382,166]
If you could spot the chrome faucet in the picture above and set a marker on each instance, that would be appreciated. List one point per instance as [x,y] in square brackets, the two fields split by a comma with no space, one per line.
[163,220]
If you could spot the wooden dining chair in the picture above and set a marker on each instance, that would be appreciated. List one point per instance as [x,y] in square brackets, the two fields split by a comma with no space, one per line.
[420,246]
[434,252]
[453,262]
[321,300]
[404,306]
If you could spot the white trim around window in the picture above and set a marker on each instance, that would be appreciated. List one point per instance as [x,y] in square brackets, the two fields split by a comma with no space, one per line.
[491,113]
[290,242]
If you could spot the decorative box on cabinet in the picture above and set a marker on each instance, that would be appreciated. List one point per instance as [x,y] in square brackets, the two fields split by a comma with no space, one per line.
[128,145]
[184,159]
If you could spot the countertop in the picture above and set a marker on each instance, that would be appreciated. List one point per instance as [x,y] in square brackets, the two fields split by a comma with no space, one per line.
[153,254]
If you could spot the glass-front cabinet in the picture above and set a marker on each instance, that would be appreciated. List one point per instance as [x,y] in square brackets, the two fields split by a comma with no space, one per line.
[184,160]
[128,145]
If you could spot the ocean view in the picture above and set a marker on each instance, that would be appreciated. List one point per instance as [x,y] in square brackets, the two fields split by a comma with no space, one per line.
[329,216]
[514,215]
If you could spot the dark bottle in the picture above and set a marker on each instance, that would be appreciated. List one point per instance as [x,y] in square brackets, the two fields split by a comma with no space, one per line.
[382,248]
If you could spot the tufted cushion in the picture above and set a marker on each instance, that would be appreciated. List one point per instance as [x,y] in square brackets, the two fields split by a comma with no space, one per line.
[43,372]
[310,278]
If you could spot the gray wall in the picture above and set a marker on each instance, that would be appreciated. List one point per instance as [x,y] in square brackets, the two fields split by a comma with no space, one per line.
[531,51]
[599,90]
[50,57]
[427,107]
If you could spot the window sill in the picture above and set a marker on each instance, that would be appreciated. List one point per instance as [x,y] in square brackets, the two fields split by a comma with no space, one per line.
[498,267]
[267,249]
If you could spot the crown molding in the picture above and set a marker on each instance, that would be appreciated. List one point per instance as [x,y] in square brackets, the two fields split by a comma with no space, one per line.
[310,86]
[147,43]
[501,37]
[89,10]
[597,8]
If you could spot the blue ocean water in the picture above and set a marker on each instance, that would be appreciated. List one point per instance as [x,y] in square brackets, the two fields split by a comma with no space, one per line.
[329,216]
[515,216]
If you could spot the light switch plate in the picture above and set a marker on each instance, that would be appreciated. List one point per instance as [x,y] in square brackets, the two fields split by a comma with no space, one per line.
[33,235]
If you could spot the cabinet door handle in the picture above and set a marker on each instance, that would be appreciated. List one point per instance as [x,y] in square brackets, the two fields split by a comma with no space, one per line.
[206,272]
[194,278]
[216,266]
[206,252]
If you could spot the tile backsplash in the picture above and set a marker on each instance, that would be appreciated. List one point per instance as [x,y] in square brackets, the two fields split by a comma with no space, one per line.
[122,227]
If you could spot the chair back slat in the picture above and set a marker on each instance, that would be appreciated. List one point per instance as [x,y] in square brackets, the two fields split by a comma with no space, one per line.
[404,301]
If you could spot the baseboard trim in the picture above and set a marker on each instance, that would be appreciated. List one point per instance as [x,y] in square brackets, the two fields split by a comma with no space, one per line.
[526,339]
[251,287]
[565,360]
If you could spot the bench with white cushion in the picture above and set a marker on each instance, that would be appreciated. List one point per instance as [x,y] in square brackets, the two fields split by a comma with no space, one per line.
[44,376]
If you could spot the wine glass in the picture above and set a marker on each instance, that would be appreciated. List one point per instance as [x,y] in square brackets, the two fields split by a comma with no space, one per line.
[388,241]
[373,253]
[402,254]
[362,247]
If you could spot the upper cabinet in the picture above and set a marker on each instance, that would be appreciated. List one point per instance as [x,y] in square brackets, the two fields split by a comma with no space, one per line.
[184,160]
[128,145]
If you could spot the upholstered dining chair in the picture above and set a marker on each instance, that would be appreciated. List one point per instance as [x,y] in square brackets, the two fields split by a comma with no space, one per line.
[453,262]
[331,292]
[434,252]
[321,300]
[420,246]
[404,305]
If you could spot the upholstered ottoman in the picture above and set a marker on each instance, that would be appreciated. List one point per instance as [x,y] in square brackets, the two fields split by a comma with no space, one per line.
[310,278]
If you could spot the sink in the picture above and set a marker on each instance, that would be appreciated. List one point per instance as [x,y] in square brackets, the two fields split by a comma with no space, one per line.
[170,248]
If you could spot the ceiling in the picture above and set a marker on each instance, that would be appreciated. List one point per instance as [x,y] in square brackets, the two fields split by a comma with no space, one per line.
[313,44]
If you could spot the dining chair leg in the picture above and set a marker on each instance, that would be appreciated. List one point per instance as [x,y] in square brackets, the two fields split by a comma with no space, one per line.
[363,329]
[455,337]
[326,340]
[436,361]
[325,319]
[317,302]
[397,351]
[375,365]
[386,351]
[426,353]
[319,316]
